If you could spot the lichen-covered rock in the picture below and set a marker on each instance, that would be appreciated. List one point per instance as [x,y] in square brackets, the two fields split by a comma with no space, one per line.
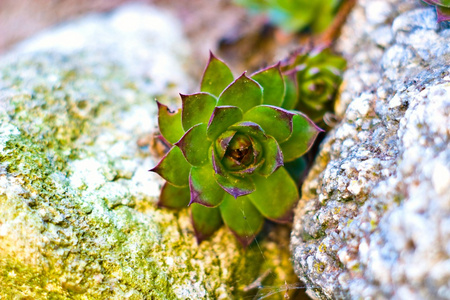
[78,216]
[374,220]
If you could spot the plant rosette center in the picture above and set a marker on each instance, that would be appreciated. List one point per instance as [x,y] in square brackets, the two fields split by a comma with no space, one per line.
[239,152]
[229,145]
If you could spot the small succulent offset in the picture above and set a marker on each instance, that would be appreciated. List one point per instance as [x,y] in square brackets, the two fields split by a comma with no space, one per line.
[313,79]
[296,15]
[229,144]
[442,9]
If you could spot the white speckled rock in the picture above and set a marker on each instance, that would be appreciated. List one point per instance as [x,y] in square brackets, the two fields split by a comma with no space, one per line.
[374,219]
[78,215]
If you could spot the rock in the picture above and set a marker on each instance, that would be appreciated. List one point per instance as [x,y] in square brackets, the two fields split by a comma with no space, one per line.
[374,219]
[78,215]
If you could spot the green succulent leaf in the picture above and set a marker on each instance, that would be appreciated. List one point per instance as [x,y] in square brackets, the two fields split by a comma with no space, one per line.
[174,197]
[242,218]
[197,108]
[250,128]
[272,155]
[204,188]
[257,149]
[443,13]
[272,83]
[235,186]
[217,164]
[442,9]
[244,93]
[216,77]
[275,121]
[290,97]
[222,118]
[275,196]
[174,168]
[304,134]
[249,169]
[169,123]
[205,220]
[195,145]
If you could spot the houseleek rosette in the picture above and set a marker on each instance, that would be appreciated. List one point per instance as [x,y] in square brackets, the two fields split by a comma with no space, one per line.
[230,142]
[313,79]
[442,9]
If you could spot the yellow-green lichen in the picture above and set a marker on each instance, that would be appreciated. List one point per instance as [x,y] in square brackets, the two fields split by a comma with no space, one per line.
[319,267]
[322,248]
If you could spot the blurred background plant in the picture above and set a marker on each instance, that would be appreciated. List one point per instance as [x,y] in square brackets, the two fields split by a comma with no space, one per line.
[314,78]
[295,15]
[312,81]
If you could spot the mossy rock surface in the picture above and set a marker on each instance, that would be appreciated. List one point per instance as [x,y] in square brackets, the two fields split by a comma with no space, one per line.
[78,215]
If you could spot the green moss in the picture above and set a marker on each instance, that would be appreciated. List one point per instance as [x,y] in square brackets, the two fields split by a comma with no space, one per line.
[20,281]
[373,225]
[322,248]
[398,199]
[319,267]
[356,268]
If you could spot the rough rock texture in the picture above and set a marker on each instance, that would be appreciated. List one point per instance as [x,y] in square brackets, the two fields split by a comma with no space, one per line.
[78,218]
[374,221]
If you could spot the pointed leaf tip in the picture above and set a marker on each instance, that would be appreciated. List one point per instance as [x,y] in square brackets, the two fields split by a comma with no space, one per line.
[273,156]
[216,77]
[195,145]
[273,84]
[244,93]
[304,134]
[222,118]
[173,167]
[204,188]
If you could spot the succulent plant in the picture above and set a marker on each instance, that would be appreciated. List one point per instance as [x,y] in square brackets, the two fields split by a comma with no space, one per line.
[229,144]
[442,9]
[296,15]
[313,81]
